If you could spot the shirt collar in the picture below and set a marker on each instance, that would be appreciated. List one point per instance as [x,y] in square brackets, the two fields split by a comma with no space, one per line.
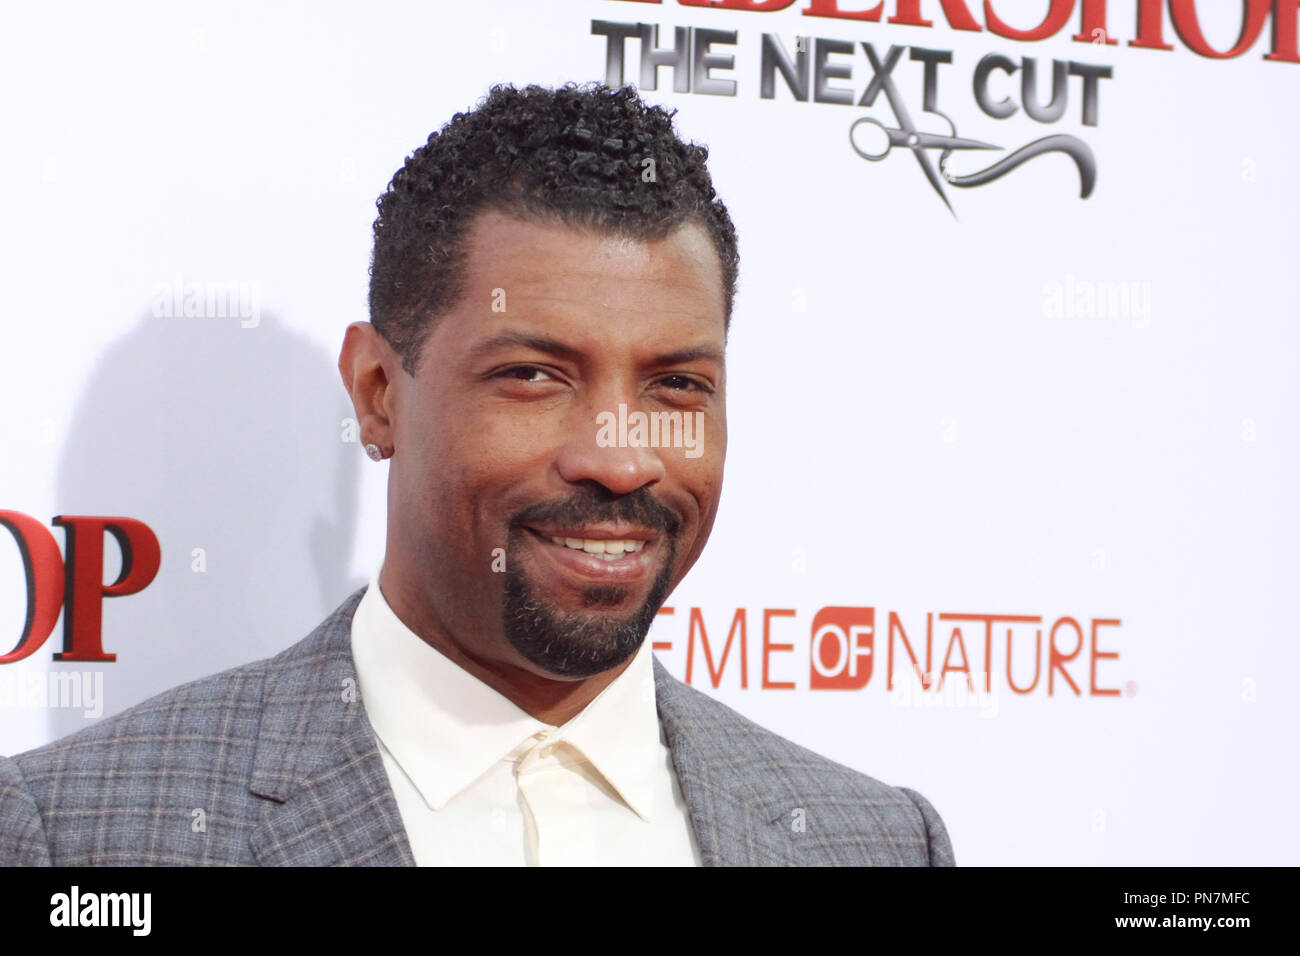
[618,732]
[446,728]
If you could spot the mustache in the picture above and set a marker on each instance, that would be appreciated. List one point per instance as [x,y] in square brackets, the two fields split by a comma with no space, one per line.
[638,508]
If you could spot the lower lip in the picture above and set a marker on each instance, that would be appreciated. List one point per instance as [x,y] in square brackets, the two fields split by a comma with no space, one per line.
[630,568]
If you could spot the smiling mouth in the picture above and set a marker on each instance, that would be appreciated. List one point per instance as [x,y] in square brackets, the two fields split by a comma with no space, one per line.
[606,548]
[606,540]
[618,555]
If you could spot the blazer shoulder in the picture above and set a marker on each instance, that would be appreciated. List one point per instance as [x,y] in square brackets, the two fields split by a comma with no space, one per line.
[843,804]
[127,789]
[221,709]
[175,729]
[22,832]
[725,734]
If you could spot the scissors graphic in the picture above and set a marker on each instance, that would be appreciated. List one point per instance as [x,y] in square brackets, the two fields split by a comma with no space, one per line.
[907,135]
[918,143]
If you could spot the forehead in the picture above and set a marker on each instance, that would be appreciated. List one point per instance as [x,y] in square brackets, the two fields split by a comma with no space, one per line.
[587,274]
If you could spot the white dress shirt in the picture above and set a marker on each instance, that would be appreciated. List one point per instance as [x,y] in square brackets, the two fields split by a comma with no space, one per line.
[480,782]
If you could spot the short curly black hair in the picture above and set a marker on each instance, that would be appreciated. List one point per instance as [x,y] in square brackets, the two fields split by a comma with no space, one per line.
[576,155]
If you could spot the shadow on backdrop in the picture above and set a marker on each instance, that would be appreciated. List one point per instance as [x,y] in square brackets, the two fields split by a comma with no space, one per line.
[228,442]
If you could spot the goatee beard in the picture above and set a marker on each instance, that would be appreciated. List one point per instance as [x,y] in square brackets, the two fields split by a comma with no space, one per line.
[578,644]
[575,644]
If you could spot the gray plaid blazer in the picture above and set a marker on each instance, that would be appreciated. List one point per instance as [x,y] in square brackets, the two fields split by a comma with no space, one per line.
[274,764]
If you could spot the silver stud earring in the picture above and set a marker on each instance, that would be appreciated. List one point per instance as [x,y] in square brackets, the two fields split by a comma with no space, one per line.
[373,451]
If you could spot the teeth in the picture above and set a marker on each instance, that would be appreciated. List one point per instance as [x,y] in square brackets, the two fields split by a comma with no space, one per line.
[600,547]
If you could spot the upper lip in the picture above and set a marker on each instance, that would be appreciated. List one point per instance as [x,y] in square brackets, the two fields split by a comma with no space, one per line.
[597,532]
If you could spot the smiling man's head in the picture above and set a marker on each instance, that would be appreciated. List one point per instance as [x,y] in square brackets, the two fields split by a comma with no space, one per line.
[552,257]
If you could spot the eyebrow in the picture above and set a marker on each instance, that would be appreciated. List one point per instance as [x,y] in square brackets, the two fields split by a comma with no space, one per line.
[705,353]
[550,346]
[513,339]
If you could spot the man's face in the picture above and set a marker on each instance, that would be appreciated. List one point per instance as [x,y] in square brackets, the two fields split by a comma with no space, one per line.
[508,474]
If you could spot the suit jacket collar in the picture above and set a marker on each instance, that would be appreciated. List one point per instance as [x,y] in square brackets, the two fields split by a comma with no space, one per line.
[329,800]
[318,764]
[738,819]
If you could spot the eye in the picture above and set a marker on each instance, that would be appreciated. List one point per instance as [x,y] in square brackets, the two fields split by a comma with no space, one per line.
[524,373]
[684,383]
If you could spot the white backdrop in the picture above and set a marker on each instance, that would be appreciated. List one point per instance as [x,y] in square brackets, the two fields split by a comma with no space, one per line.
[928,416]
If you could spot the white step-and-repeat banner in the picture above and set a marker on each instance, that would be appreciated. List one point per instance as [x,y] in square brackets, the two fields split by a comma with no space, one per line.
[1010,509]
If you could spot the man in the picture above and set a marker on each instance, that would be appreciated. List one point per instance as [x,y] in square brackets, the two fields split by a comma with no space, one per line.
[545,264]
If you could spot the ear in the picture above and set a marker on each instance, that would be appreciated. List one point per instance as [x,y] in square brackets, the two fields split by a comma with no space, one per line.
[369,366]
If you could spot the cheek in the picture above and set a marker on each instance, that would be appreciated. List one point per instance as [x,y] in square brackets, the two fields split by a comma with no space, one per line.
[707,468]
[700,480]
[707,489]
[480,476]
[438,476]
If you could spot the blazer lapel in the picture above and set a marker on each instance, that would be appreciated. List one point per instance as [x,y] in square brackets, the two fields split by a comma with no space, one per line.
[734,823]
[317,764]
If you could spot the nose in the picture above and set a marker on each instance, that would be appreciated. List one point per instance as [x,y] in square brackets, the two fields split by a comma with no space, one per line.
[601,451]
